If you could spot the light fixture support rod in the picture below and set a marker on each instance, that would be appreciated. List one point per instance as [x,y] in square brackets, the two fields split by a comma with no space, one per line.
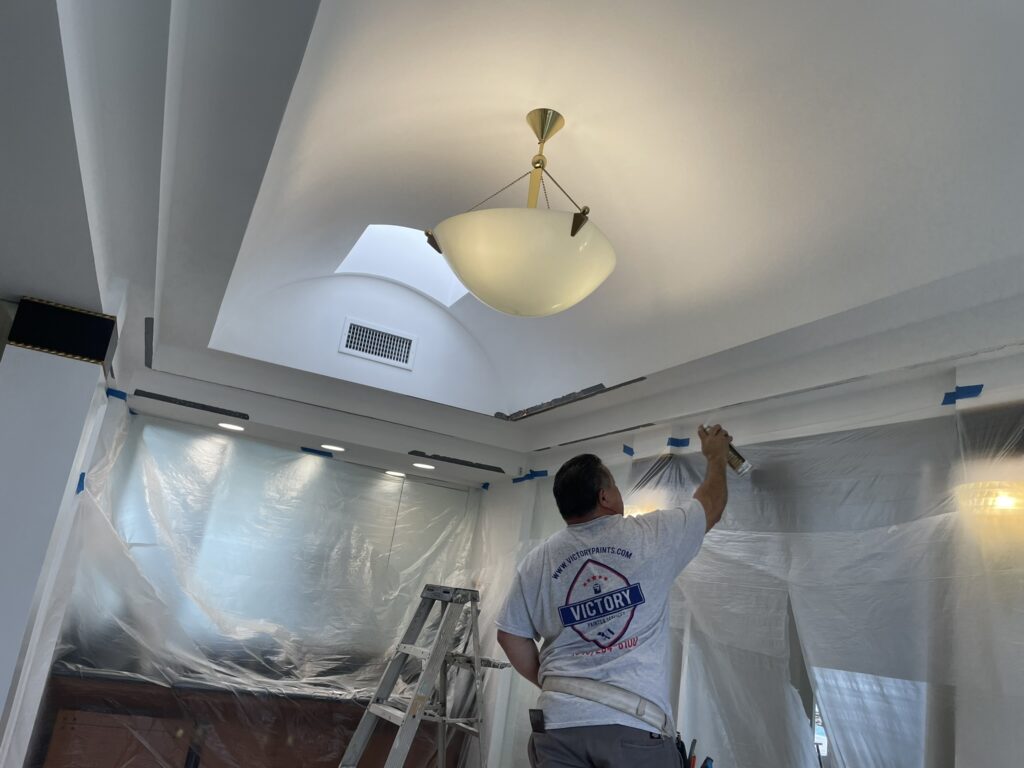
[545,123]
[535,178]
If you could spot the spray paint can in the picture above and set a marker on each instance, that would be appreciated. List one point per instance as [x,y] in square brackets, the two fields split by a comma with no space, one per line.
[735,459]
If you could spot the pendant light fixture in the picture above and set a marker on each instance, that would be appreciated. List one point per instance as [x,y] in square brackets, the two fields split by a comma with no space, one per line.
[530,261]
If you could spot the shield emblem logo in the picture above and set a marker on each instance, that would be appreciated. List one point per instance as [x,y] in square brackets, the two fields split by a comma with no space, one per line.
[600,604]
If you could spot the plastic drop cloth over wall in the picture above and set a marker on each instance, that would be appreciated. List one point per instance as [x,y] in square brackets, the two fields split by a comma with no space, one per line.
[877,573]
[218,563]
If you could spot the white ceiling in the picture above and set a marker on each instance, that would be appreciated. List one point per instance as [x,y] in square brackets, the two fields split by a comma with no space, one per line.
[116,63]
[758,167]
[44,230]
[839,182]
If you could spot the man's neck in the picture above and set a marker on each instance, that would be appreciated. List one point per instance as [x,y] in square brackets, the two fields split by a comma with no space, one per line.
[590,516]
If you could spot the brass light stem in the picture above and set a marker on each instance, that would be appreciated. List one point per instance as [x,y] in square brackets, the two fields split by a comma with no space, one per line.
[545,124]
[535,178]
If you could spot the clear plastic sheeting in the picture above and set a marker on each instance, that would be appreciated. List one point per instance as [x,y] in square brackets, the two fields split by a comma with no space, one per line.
[234,600]
[233,571]
[875,573]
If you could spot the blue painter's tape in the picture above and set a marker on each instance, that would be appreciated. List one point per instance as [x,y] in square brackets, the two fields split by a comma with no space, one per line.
[111,392]
[485,486]
[81,484]
[533,474]
[628,450]
[963,393]
[974,390]
[318,452]
[678,442]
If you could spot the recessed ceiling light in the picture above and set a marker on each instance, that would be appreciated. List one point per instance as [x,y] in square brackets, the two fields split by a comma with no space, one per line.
[424,466]
[395,474]
[327,447]
[231,427]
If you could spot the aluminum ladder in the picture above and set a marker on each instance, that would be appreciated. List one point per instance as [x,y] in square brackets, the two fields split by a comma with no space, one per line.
[429,701]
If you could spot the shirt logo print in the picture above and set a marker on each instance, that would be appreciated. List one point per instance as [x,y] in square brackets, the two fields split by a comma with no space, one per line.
[600,604]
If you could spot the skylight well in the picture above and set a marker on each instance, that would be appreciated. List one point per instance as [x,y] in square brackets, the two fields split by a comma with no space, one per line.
[401,255]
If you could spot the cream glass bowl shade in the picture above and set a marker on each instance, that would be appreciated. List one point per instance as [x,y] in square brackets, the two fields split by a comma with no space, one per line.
[523,261]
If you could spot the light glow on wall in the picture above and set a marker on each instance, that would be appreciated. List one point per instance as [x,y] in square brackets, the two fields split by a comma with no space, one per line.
[1005,501]
[643,501]
[991,505]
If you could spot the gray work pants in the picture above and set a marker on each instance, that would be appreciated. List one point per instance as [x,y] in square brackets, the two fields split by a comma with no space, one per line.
[602,746]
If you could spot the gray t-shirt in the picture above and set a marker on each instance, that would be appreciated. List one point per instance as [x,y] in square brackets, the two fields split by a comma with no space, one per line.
[597,594]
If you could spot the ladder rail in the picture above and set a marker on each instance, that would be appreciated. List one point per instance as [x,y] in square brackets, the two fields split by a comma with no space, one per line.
[424,689]
[430,701]
[364,731]
[478,677]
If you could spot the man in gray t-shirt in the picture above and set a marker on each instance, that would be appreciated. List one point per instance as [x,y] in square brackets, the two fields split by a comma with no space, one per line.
[596,595]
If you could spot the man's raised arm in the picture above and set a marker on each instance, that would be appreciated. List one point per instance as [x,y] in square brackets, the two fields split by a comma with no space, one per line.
[713,493]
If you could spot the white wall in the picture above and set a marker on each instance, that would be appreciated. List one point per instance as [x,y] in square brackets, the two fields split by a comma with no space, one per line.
[45,404]
[44,230]
[300,326]
[503,530]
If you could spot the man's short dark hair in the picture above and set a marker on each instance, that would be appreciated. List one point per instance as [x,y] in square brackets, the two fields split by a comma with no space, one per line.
[577,485]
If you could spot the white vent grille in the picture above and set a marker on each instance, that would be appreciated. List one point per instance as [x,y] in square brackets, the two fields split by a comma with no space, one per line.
[375,343]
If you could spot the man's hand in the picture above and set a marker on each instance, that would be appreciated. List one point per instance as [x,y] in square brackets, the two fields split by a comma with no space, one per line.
[523,655]
[714,442]
[713,493]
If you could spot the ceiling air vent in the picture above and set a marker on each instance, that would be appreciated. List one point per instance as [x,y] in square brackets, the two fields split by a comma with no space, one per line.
[376,343]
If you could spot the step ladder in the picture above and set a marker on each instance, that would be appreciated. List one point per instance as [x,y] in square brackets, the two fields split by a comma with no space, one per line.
[430,697]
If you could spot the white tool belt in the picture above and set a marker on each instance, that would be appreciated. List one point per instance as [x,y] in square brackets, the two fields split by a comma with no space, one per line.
[612,696]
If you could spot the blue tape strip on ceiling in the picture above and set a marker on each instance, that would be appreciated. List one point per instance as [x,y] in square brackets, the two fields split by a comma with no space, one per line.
[962,393]
[485,486]
[111,392]
[628,450]
[81,484]
[533,474]
[318,452]
[678,442]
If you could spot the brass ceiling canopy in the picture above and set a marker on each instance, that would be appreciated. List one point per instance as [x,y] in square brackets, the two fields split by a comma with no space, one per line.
[545,123]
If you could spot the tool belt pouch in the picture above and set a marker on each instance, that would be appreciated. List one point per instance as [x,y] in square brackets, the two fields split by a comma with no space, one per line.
[537,720]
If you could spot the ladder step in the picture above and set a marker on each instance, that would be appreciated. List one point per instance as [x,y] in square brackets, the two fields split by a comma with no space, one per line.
[450,594]
[467,729]
[462,658]
[455,658]
[436,718]
[414,650]
[387,712]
